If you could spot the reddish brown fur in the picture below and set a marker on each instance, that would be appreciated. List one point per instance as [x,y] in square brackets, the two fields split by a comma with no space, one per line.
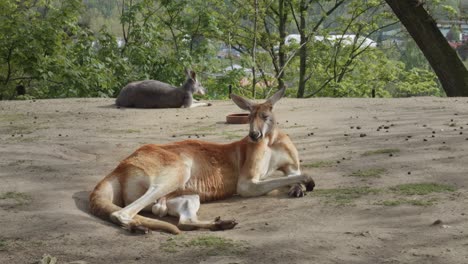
[215,178]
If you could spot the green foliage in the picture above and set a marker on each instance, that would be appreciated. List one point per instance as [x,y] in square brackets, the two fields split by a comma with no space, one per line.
[34,36]
[415,82]
[412,56]
[56,61]
[371,71]
[67,49]
[218,86]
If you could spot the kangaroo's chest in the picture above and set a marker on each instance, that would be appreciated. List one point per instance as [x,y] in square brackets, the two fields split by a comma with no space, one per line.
[271,161]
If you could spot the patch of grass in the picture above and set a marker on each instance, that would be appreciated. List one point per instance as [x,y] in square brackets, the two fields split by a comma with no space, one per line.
[3,245]
[203,128]
[421,202]
[120,131]
[391,202]
[12,117]
[218,245]
[211,241]
[368,173]
[421,188]
[295,126]
[416,202]
[19,129]
[214,245]
[18,197]
[344,196]
[447,148]
[23,139]
[380,151]
[171,245]
[319,164]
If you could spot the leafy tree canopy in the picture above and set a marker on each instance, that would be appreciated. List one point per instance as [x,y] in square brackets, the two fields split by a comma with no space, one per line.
[93,48]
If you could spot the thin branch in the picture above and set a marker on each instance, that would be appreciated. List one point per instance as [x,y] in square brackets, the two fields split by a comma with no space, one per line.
[320,89]
[10,52]
[294,14]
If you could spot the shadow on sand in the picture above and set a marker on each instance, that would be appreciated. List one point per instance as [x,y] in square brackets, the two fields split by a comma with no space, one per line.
[111,106]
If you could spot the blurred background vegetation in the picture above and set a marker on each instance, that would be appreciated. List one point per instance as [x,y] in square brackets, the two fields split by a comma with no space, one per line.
[92,48]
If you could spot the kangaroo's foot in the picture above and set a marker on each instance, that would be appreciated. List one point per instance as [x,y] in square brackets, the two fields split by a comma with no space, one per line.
[186,208]
[132,225]
[138,229]
[223,224]
[310,186]
[297,191]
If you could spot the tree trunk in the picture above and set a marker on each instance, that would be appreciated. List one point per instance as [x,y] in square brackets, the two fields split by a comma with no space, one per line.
[254,51]
[423,29]
[283,16]
[303,49]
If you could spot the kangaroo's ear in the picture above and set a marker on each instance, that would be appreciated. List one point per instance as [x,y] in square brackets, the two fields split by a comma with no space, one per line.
[242,102]
[193,75]
[275,98]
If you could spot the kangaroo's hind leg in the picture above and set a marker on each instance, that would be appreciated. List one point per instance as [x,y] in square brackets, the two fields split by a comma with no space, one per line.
[167,181]
[125,216]
[186,207]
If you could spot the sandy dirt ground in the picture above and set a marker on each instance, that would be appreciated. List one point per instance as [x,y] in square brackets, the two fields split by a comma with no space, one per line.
[391,175]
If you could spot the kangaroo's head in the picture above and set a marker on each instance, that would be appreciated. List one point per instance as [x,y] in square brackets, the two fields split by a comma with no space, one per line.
[261,118]
[192,84]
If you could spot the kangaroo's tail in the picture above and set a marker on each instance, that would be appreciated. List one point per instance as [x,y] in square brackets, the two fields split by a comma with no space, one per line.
[101,205]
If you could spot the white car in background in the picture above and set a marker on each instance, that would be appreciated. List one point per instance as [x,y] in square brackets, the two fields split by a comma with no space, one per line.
[347,39]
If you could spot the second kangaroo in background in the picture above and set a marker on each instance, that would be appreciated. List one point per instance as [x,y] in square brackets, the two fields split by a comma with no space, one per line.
[156,94]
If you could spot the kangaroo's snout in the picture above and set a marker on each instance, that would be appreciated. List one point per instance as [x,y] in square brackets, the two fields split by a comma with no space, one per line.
[255,135]
[201,90]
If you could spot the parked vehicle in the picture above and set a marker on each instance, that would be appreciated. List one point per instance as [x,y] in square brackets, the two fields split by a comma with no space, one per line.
[347,39]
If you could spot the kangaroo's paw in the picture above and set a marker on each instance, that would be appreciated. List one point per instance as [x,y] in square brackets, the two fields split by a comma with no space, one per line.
[160,207]
[296,191]
[309,183]
[138,228]
[310,186]
[223,224]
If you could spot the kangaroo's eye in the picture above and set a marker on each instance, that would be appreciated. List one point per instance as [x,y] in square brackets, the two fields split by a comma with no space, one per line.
[264,116]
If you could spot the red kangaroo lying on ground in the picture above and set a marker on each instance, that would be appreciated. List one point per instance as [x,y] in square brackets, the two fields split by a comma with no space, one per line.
[172,179]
